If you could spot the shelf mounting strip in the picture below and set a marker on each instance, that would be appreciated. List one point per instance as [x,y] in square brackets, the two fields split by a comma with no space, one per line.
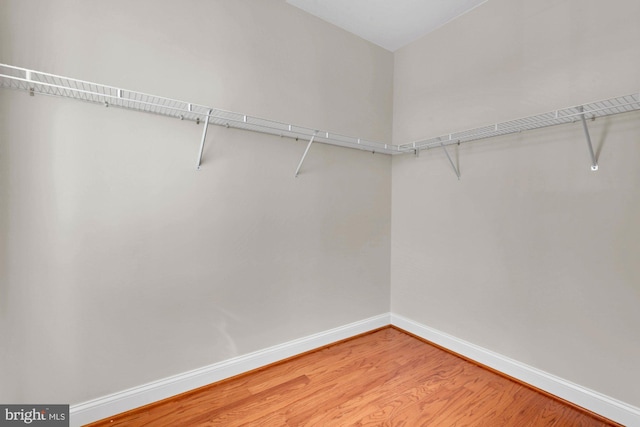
[36,82]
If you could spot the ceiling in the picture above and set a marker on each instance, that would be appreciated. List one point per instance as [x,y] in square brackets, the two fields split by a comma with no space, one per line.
[390,24]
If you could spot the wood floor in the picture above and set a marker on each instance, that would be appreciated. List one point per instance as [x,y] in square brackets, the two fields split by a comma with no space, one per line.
[384,378]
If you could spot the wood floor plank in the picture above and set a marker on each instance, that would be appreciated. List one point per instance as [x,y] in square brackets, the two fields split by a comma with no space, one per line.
[409,377]
[383,378]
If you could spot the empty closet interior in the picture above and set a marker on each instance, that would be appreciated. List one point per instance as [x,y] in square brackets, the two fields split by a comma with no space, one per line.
[294,181]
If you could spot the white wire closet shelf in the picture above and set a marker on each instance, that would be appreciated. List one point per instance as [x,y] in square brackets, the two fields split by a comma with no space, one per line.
[617,105]
[37,82]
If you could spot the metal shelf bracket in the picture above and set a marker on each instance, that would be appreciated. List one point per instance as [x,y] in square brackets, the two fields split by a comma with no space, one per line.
[305,153]
[204,137]
[455,169]
[594,161]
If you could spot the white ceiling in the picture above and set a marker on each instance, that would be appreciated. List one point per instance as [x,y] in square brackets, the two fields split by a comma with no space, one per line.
[387,23]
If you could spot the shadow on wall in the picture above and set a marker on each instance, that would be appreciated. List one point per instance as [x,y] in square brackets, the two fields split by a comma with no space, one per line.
[5,56]
[226,347]
[4,206]
[603,137]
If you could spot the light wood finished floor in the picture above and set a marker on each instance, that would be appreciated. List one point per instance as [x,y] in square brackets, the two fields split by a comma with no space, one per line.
[383,378]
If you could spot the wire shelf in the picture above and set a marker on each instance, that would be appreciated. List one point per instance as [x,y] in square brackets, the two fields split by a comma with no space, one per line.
[621,104]
[36,82]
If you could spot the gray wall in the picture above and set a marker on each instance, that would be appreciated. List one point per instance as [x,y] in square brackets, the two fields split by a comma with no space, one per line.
[531,254]
[121,264]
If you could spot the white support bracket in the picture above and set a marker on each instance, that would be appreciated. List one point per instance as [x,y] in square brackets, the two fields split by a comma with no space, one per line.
[305,153]
[27,77]
[594,162]
[204,137]
[455,169]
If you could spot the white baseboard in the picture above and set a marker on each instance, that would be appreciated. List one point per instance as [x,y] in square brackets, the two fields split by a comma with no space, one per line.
[606,406]
[116,403]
